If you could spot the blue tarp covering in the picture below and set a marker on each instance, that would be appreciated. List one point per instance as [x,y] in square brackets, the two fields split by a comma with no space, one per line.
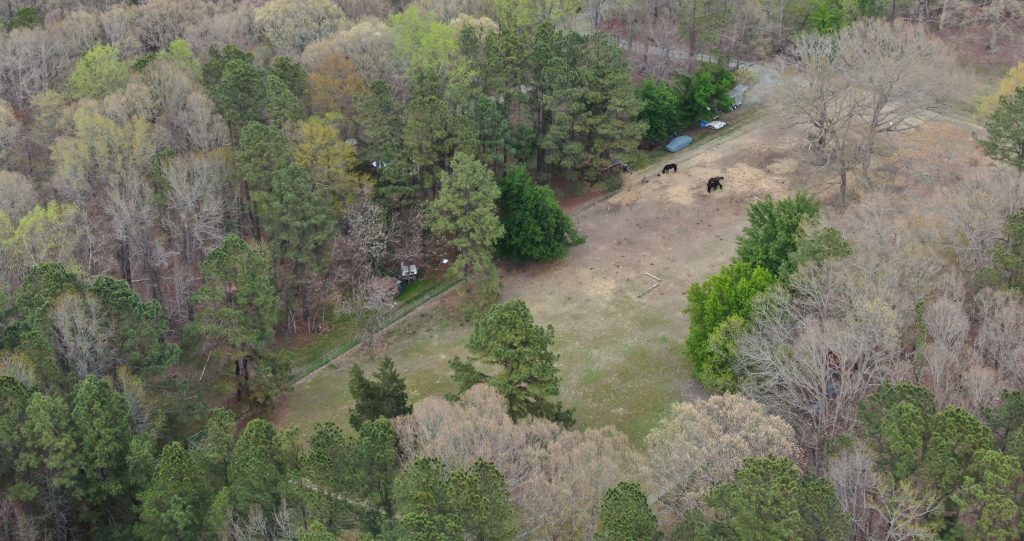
[679,143]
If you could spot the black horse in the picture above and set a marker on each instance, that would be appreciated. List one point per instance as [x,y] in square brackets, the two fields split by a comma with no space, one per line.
[715,183]
[670,167]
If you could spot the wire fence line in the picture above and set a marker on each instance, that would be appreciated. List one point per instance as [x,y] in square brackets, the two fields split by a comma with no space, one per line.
[403,309]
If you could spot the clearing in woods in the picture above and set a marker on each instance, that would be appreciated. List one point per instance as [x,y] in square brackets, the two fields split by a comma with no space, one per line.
[621,359]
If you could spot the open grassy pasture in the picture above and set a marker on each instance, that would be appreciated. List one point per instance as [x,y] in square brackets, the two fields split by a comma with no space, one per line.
[621,353]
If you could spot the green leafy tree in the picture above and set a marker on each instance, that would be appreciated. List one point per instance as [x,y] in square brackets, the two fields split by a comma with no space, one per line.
[704,94]
[237,302]
[386,397]
[98,73]
[660,106]
[771,499]
[717,374]
[171,505]
[625,515]
[506,336]
[535,225]
[728,293]
[466,212]
[422,41]
[1005,141]
[254,474]
[993,492]
[775,229]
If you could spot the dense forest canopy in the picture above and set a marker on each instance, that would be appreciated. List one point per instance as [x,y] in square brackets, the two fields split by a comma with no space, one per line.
[189,186]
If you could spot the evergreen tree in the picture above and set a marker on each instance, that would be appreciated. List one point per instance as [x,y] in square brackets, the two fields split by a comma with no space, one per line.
[625,515]
[507,336]
[102,430]
[1008,258]
[479,498]
[14,398]
[771,499]
[316,532]
[1005,129]
[535,225]
[375,459]
[139,327]
[381,116]
[1007,423]
[993,493]
[171,505]
[214,451]
[237,302]
[956,436]
[466,212]
[254,474]
[328,469]
[386,397]
[48,451]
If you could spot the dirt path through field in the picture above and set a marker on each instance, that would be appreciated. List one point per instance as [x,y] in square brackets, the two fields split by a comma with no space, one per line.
[621,353]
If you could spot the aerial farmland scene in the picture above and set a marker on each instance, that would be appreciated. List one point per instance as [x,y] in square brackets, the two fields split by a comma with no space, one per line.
[511,270]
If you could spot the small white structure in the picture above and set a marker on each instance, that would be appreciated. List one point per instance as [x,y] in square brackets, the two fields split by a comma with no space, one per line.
[716,125]
[409,272]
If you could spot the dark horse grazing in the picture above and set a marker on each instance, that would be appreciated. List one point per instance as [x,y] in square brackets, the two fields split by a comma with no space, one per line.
[715,183]
[670,167]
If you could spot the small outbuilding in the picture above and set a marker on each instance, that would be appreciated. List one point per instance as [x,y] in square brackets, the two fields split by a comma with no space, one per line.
[679,143]
[737,93]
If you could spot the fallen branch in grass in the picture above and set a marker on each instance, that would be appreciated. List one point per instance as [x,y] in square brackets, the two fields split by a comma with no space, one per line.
[648,290]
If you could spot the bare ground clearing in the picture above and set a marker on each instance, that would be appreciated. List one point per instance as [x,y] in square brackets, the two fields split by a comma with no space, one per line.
[621,354]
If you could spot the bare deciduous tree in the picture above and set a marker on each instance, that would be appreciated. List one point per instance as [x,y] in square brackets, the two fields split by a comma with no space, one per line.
[813,371]
[371,47]
[291,25]
[195,193]
[17,195]
[556,478]
[896,66]
[700,445]
[82,338]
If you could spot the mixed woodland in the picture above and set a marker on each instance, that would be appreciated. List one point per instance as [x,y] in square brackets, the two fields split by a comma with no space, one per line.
[185,185]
